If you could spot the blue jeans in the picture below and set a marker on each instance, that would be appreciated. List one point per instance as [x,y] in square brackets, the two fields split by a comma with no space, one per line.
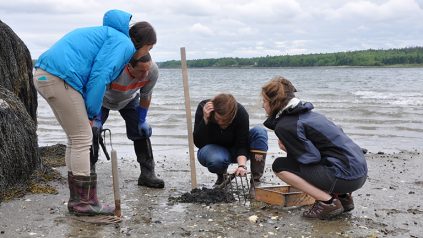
[130,115]
[217,158]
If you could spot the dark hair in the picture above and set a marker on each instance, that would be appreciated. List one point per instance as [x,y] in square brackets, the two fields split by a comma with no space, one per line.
[142,33]
[278,92]
[226,106]
[143,59]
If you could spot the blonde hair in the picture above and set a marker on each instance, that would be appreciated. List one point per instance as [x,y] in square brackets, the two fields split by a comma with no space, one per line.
[226,106]
[278,92]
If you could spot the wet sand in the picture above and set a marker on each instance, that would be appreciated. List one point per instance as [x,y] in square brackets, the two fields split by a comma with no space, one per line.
[389,205]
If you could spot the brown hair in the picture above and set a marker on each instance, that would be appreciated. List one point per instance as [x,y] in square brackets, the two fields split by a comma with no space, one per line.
[226,106]
[142,33]
[278,92]
[143,59]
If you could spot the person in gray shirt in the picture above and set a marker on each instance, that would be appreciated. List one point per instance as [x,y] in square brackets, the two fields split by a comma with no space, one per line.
[130,94]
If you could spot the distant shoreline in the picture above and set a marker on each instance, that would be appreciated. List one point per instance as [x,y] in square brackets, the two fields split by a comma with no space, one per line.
[411,57]
[405,57]
[267,67]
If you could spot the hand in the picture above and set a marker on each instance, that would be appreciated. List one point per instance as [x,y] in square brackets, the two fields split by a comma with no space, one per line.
[144,129]
[241,171]
[207,109]
[96,121]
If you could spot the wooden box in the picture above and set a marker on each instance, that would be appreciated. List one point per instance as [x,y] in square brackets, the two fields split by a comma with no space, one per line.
[284,195]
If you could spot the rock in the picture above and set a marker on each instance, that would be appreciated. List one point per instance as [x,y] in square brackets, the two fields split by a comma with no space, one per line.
[253,218]
[16,69]
[18,142]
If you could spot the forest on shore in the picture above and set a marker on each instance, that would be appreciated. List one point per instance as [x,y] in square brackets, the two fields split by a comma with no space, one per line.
[410,56]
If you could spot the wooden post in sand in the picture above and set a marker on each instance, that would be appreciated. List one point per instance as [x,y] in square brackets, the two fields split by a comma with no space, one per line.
[188,115]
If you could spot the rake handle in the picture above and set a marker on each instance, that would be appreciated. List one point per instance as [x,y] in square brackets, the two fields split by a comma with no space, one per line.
[116,192]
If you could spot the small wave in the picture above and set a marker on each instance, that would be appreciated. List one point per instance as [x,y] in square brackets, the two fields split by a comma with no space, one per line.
[393,98]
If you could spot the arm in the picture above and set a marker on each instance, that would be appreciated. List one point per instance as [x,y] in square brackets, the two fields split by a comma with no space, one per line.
[144,129]
[200,127]
[109,63]
[242,135]
[242,130]
[297,143]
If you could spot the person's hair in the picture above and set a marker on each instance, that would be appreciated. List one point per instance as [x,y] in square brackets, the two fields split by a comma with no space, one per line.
[143,59]
[278,92]
[226,106]
[142,33]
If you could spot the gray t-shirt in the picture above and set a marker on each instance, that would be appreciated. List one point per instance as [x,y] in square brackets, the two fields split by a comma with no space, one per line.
[122,90]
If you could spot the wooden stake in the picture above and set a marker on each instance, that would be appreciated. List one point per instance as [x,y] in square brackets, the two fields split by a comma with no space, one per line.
[188,115]
[116,192]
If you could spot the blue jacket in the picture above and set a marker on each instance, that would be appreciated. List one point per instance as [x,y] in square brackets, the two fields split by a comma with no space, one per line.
[89,58]
[310,138]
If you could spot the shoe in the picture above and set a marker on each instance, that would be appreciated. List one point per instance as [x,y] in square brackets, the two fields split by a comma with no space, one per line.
[347,202]
[219,180]
[324,211]
[83,199]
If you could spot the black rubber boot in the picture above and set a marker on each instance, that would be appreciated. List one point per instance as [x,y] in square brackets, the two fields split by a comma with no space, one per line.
[258,162]
[145,158]
[219,180]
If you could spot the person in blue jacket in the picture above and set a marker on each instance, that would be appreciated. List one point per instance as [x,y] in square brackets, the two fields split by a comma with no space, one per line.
[322,160]
[72,77]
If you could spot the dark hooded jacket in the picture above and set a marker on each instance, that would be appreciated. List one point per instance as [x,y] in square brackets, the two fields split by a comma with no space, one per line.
[310,138]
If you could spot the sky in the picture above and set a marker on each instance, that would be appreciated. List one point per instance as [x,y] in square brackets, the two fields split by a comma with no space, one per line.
[231,28]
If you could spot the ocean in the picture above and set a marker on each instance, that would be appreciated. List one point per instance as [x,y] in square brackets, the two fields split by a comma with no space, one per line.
[381,109]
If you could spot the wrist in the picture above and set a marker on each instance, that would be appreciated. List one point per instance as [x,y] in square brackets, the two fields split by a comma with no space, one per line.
[242,166]
[142,114]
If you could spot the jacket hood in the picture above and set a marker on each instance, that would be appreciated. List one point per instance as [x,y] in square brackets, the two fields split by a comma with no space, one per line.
[294,106]
[118,20]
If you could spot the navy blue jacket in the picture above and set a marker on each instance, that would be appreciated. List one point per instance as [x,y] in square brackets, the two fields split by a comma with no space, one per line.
[310,138]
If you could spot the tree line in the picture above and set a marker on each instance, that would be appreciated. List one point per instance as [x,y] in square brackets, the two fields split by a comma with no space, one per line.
[371,57]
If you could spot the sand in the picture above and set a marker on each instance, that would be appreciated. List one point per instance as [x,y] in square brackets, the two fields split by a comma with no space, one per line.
[389,205]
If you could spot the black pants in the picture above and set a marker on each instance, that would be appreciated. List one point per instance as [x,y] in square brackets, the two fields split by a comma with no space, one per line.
[319,175]
[130,115]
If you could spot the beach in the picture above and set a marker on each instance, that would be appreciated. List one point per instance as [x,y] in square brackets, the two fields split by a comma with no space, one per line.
[387,206]
[380,114]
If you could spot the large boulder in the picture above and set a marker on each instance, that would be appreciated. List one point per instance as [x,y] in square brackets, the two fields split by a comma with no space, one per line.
[18,142]
[16,69]
[19,156]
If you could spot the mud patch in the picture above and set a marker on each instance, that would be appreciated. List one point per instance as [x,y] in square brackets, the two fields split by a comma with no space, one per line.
[205,196]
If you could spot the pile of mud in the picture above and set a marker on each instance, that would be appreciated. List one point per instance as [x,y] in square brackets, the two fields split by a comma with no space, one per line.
[205,196]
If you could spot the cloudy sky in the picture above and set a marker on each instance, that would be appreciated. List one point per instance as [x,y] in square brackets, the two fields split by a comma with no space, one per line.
[231,28]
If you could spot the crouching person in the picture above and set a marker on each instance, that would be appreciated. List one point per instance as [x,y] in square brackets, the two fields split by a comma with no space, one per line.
[222,134]
[322,160]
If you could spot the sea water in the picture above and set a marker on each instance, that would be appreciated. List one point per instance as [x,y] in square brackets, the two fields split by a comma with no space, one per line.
[381,109]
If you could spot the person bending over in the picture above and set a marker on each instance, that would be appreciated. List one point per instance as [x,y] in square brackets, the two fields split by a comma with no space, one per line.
[131,95]
[72,77]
